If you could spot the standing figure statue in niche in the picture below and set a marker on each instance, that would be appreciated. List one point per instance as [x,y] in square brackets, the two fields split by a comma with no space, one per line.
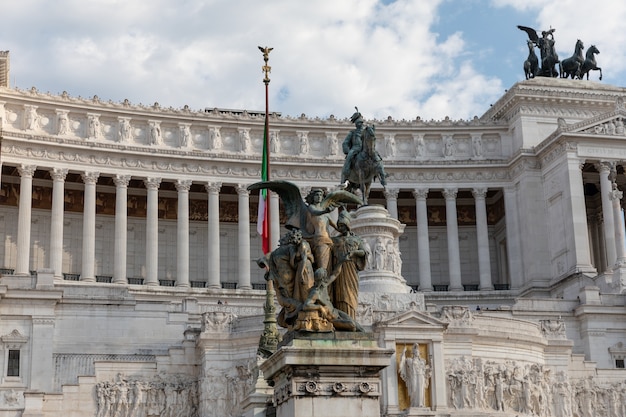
[416,375]
[350,257]
[306,247]
[363,163]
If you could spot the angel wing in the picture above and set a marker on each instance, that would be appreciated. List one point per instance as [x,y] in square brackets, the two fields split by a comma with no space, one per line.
[289,193]
[532,33]
[339,197]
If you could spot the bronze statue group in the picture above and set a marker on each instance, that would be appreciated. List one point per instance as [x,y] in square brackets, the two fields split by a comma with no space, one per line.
[314,270]
[576,66]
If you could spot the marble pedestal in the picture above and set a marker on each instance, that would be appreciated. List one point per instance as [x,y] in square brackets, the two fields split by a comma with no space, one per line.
[380,232]
[327,375]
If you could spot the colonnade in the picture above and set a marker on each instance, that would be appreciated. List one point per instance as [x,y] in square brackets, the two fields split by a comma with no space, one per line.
[152,184]
[612,240]
[612,219]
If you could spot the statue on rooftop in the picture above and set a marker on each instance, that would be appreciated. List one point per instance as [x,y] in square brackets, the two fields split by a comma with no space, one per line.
[545,43]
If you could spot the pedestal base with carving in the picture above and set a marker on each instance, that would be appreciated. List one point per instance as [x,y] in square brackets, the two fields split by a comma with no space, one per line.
[327,375]
[380,232]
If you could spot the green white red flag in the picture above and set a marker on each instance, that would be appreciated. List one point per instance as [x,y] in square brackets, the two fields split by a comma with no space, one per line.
[263,224]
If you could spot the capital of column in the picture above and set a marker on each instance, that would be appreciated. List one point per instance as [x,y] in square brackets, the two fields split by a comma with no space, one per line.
[183,185]
[242,190]
[605,167]
[213,187]
[420,193]
[391,193]
[615,194]
[450,193]
[479,193]
[27,170]
[90,177]
[121,181]
[58,174]
[152,183]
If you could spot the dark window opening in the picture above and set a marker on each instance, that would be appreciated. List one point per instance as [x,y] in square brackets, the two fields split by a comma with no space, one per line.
[13,365]
[619,363]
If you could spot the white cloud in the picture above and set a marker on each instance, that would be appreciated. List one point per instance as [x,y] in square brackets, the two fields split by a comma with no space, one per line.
[329,55]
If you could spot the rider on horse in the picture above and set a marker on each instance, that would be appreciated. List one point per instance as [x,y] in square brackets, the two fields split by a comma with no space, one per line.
[353,144]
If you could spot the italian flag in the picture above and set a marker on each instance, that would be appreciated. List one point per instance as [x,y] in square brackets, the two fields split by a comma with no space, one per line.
[263,224]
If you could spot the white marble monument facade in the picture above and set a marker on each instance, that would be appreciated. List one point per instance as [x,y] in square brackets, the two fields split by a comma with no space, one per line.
[129,286]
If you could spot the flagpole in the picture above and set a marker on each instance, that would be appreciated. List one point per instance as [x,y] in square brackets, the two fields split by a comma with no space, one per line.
[266,151]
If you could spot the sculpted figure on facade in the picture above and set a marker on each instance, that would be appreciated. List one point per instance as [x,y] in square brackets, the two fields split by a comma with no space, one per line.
[63,124]
[94,129]
[274,142]
[245,143]
[155,133]
[185,136]
[125,130]
[217,321]
[477,146]
[333,143]
[448,146]
[32,118]
[308,247]
[420,147]
[415,373]
[165,396]
[303,139]
[390,145]
[380,254]
[215,138]
[553,329]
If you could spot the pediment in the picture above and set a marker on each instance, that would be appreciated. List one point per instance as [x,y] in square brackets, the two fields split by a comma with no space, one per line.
[612,123]
[414,319]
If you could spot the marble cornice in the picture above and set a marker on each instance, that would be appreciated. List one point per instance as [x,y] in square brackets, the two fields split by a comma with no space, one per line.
[223,169]
[554,92]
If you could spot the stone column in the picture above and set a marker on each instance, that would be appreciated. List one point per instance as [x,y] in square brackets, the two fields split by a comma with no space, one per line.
[89,227]
[607,212]
[391,194]
[23,219]
[213,255]
[513,238]
[423,245]
[482,237]
[244,237]
[274,219]
[620,250]
[152,231]
[121,228]
[182,241]
[452,227]
[578,234]
[56,221]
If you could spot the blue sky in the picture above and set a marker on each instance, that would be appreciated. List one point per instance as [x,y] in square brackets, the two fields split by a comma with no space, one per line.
[402,58]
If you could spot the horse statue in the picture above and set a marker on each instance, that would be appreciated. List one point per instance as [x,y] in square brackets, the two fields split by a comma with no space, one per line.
[590,63]
[570,67]
[367,165]
[531,65]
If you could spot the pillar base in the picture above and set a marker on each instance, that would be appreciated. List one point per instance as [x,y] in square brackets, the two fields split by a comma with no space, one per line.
[327,374]
[380,233]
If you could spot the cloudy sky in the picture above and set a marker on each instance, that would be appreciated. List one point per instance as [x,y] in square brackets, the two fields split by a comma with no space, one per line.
[402,58]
